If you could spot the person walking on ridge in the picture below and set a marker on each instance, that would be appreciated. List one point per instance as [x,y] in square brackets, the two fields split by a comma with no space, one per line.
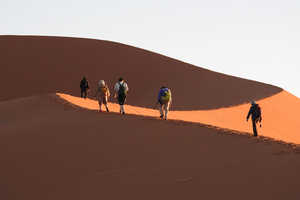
[164,101]
[255,113]
[102,94]
[121,90]
[84,86]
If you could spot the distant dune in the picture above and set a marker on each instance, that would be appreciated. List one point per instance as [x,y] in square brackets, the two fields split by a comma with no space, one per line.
[52,149]
[35,65]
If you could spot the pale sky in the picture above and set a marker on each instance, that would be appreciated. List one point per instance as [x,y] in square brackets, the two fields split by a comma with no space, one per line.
[254,39]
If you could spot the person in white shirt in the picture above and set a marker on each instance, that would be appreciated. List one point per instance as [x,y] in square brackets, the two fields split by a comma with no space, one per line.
[121,90]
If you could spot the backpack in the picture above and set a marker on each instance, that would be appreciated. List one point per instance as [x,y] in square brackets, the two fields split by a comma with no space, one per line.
[256,112]
[166,95]
[103,89]
[84,84]
[122,90]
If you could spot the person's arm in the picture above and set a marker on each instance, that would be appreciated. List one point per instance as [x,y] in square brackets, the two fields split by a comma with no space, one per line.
[126,87]
[249,113]
[108,93]
[170,96]
[260,118]
[159,96]
[116,88]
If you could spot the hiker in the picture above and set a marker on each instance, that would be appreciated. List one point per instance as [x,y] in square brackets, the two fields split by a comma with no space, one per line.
[255,113]
[102,94]
[84,86]
[121,89]
[164,101]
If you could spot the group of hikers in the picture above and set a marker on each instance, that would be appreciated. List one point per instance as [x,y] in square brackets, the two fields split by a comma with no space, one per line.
[120,93]
[164,99]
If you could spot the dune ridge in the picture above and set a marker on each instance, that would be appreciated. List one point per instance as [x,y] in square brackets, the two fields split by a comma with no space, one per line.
[276,117]
[33,65]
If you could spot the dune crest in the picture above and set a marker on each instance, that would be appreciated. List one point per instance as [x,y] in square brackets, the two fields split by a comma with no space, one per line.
[279,113]
[33,65]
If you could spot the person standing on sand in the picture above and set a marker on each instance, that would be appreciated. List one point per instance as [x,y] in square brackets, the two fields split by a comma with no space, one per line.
[121,90]
[255,113]
[102,94]
[164,101]
[84,86]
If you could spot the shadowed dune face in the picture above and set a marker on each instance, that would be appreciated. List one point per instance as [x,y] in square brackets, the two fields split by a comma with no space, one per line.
[35,65]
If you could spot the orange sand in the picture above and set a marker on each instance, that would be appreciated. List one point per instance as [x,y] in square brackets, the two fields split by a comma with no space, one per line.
[280,120]
[49,150]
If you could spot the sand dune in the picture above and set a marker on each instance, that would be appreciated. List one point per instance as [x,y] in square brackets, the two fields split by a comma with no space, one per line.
[50,150]
[36,65]
[280,112]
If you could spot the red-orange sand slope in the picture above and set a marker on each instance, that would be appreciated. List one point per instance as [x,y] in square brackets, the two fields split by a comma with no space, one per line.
[49,150]
[280,113]
[52,150]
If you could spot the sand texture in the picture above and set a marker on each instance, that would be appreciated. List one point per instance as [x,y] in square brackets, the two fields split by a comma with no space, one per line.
[57,146]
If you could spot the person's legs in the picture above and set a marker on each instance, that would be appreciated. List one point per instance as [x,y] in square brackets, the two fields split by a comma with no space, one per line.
[81,93]
[121,100]
[254,127]
[105,103]
[107,110]
[124,99]
[161,110]
[100,105]
[166,107]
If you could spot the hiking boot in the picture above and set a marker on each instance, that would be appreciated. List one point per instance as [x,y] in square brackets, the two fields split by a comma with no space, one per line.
[161,116]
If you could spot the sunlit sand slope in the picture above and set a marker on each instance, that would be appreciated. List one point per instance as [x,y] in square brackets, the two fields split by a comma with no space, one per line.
[280,115]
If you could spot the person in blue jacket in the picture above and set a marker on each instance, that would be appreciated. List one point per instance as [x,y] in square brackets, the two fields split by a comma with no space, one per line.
[164,100]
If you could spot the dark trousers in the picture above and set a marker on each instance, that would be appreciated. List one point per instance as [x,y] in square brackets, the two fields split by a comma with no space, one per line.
[121,99]
[254,127]
[83,93]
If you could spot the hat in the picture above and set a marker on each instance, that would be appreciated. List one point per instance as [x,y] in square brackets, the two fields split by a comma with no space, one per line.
[101,83]
[253,102]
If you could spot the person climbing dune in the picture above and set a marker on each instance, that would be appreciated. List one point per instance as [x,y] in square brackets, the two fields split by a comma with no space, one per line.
[164,101]
[121,90]
[84,86]
[102,95]
[255,112]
